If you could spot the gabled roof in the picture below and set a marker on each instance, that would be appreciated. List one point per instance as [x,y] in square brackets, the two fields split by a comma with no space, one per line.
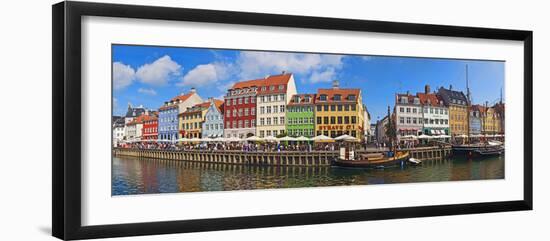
[270,80]
[429,99]
[448,95]
[183,97]
[302,99]
[330,93]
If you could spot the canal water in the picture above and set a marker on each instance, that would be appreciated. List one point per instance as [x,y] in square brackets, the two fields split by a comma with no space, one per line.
[143,176]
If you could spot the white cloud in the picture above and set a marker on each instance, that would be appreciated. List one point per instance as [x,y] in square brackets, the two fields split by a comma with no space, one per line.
[257,64]
[147,91]
[158,72]
[206,74]
[323,76]
[367,58]
[123,75]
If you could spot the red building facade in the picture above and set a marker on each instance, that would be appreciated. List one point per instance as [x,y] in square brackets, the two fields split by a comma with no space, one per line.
[150,128]
[240,109]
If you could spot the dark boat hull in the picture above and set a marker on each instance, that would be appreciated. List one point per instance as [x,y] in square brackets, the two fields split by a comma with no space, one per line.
[477,151]
[361,164]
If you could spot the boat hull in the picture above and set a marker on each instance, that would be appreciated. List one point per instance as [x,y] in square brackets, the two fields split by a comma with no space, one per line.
[390,162]
[477,151]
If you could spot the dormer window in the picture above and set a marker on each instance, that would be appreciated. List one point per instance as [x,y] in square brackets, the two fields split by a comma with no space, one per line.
[337,97]
[296,99]
[272,87]
[307,98]
[403,100]
[263,88]
[281,87]
[323,97]
[351,97]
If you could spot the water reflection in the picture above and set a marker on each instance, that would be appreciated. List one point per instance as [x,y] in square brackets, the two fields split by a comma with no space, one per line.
[139,176]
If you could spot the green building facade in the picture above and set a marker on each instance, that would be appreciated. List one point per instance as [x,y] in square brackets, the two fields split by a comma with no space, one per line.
[300,115]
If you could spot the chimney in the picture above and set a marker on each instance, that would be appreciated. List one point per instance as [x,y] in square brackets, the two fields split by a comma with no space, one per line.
[336,84]
[450,87]
[427,89]
[193,90]
[407,92]
[283,72]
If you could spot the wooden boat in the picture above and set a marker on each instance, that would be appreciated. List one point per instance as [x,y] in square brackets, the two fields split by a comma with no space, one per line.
[371,160]
[479,149]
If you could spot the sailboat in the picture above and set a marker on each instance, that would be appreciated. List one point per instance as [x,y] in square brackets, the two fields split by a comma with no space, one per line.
[481,149]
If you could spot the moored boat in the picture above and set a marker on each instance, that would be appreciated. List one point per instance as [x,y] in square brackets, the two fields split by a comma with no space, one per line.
[478,149]
[370,160]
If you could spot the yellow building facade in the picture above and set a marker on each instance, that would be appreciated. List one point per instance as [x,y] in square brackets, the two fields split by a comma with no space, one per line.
[458,120]
[490,121]
[191,120]
[338,112]
[458,103]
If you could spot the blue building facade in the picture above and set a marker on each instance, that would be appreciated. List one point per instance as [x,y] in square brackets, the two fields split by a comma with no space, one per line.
[475,120]
[168,123]
[213,120]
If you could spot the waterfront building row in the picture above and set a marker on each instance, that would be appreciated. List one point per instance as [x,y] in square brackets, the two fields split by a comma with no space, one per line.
[263,107]
[442,112]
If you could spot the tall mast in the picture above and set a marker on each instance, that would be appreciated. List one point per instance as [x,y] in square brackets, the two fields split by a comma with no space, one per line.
[468,102]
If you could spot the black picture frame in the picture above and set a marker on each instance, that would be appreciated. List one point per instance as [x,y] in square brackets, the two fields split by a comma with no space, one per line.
[66,127]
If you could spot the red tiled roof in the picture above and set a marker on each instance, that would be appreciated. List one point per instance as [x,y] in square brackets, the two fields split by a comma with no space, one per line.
[428,99]
[140,119]
[183,97]
[302,99]
[343,92]
[276,80]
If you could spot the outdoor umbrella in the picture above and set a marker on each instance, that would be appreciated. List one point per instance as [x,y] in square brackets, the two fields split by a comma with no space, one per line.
[270,138]
[322,138]
[254,138]
[287,138]
[345,137]
[303,138]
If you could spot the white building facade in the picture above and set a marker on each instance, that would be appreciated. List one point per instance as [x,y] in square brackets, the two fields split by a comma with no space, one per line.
[409,117]
[272,100]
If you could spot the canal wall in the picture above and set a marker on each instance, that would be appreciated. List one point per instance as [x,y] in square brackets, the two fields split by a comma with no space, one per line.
[287,158]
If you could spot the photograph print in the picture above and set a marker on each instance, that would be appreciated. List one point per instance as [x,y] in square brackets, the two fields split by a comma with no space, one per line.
[200,119]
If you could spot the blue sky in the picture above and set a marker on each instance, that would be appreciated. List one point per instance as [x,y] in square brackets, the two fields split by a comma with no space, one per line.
[148,76]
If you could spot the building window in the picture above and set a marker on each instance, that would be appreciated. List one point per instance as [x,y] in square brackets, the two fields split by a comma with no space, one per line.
[339,120]
[262,121]
[351,97]
[246,112]
[346,107]
[262,110]
[275,120]
[319,120]
[325,120]
[339,107]
[353,107]
[332,120]
[253,111]
[319,108]
[245,123]
[414,110]
[268,121]
[252,100]
[346,119]
[337,97]
[268,109]
[281,97]
[323,97]
[282,120]
[282,108]
[261,133]
[325,107]
[408,110]
[332,108]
